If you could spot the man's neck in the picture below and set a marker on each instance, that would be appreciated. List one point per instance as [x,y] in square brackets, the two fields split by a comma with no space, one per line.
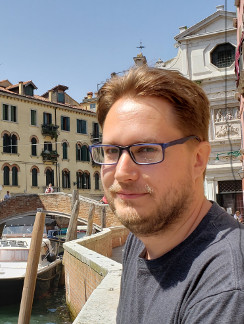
[161,243]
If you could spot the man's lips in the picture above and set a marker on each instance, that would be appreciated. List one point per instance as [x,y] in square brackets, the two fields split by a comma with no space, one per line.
[130,195]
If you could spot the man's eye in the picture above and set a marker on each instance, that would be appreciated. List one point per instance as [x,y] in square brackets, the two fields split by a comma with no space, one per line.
[147,149]
[111,150]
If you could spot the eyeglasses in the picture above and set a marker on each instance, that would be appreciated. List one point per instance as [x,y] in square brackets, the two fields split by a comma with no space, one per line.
[142,153]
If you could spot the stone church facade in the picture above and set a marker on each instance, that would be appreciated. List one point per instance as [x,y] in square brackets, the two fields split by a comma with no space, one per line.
[206,55]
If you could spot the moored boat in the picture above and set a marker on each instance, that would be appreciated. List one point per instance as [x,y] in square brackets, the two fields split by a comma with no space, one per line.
[14,248]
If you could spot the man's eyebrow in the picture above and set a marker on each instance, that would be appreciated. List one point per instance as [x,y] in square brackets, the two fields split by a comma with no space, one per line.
[141,141]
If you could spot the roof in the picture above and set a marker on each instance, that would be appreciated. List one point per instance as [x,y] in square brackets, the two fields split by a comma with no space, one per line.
[40,98]
[26,83]
[5,83]
[58,87]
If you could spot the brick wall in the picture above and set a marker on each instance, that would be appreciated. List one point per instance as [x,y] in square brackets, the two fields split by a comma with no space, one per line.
[60,202]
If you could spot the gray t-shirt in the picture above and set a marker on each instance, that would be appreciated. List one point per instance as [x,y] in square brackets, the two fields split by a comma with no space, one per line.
[199,281]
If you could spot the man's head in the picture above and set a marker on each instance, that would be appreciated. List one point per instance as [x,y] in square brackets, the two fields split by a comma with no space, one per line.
[147,106]
[7,192]
[189,102]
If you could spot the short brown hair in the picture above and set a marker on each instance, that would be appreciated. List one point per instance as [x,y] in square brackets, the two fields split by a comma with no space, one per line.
[191,105]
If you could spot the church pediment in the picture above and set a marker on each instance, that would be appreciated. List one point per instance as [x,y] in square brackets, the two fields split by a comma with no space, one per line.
[212,24]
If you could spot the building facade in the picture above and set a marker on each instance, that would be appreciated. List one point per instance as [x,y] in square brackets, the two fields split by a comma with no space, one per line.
[45,139]
[206,55]
[239,69]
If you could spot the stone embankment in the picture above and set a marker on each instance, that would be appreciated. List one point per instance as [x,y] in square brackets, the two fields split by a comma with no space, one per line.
[92,278]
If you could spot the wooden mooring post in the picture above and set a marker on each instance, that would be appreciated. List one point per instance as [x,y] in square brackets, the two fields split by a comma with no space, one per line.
[31,270]
[103,217]
[90,220]
[72,228]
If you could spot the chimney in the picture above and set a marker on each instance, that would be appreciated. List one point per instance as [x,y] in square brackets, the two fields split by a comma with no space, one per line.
[140,60]
[89,95]
[220,8]
[21,88]
[50,95]
[182,29]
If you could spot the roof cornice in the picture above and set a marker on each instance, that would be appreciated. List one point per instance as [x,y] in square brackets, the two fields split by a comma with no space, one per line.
[45,102]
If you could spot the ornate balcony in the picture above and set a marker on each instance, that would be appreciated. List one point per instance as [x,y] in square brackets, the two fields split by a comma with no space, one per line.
[49,156]
[50,130]
[96,138]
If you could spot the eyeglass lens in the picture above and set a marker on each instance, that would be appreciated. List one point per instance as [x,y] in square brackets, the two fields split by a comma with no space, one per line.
[146,153]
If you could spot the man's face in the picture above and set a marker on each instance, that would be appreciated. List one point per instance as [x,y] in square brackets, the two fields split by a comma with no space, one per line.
[146,198]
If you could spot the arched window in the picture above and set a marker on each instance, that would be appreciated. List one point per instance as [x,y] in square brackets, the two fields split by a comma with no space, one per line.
[79,179]
[6,175]
[78,152]
[14,176]
[65,179]
[86,181]
[6,143]
[85,153]
[96,176]
[49,177]
[65,150]
[33,146]
[14,143]
[34,177]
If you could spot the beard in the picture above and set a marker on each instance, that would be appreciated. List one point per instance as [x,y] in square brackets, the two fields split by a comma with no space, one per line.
[163,213]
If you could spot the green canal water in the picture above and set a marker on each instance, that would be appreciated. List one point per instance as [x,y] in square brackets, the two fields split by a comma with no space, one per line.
[50,310]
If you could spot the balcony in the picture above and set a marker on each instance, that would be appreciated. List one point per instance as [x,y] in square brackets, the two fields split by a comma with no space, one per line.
[49,156]
[96,137]
[50,130]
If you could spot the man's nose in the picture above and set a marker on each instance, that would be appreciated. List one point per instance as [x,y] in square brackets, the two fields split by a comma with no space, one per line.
[126,168]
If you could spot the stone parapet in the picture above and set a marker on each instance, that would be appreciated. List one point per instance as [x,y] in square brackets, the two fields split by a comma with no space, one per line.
[93,280]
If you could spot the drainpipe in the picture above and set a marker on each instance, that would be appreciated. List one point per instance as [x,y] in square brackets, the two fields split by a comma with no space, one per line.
[56,149]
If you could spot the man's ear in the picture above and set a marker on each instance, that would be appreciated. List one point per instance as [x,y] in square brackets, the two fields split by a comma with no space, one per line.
[201,156]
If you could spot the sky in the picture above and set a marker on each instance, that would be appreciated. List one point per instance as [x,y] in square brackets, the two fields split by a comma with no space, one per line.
[79,43]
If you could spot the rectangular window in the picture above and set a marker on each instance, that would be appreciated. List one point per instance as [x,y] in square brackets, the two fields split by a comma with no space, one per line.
[65,123]
[47,118]
[9,113]
[29,91]
[93,107]
[5,112]
[61,97]
[33,117]
[48,146]
[81,126]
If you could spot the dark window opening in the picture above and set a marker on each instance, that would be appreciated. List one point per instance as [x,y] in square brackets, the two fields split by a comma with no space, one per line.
[223,55]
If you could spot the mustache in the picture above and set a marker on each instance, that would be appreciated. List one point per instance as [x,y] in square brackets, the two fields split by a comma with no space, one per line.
[116,188]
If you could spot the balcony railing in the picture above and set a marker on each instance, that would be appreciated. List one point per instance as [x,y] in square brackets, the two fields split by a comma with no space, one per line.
[50,130]
[96,138]
[49,156]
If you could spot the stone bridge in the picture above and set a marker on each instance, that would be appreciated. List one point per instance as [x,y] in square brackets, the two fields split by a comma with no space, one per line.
[58,204]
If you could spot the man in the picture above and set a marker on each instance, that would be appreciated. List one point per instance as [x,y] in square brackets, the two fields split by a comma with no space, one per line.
[7,196]
[183,261]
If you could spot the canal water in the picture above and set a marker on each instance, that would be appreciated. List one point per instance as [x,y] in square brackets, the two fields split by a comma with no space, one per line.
[50,310]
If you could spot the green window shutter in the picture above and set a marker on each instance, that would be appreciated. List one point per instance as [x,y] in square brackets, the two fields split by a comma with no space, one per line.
[5,112]
[33,117]
[13,113]
[68,124]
